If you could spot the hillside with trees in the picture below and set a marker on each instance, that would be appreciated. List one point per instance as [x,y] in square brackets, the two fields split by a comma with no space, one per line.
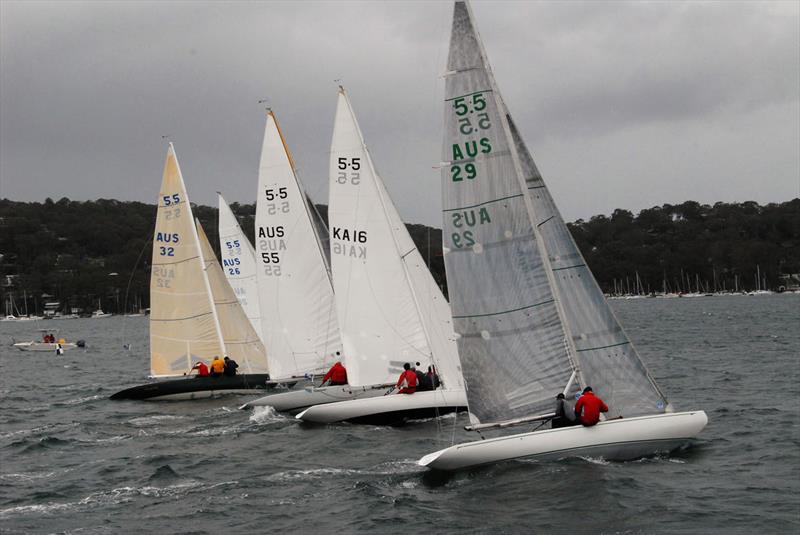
[82,253]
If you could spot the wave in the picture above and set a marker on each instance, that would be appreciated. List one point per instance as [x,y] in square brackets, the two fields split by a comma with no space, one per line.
[265,414]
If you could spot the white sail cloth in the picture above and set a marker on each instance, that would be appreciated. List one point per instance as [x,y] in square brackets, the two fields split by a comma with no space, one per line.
[183,323]
[389,307]
[242,344]
[298,316]
[528,316]
[239,264]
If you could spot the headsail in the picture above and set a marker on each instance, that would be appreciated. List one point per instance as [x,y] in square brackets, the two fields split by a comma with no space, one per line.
[299,323]
[390,309]
[604,353]
[239,264]
[241,341]
[529,313]
[512,344]
[183,324]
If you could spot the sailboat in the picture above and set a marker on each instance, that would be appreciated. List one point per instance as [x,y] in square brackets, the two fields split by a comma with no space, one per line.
[239,264]
[531,319]
[194,313]
[297,304]
[390,309]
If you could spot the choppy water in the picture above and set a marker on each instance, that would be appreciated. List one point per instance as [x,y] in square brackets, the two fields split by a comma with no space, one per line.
[75,462]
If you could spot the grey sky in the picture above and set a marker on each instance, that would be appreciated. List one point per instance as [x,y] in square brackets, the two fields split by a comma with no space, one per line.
[622,104]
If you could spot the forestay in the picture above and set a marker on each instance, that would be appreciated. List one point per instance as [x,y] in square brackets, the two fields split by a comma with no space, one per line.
[241,341]
[183,324]
[239,264]
[299,324]
[511,342]
[389,307]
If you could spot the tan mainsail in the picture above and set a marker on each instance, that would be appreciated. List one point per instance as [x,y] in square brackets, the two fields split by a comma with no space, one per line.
[183,324]
[241,341]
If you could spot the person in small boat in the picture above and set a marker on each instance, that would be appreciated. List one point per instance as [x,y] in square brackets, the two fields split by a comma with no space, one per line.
[589,407]
[217,367]
[337,375]
[407,383]
[230,367]
[202,369]
[565,415]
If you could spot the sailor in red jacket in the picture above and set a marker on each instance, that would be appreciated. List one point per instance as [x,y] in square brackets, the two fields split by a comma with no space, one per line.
[202,369]
[589,407]
[407,383]
[337,374]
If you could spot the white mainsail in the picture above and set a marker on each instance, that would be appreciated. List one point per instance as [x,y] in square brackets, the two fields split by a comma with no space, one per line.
[389,307]
[528,310]
[239,264]
[184,328]
[242,344]
[298,316]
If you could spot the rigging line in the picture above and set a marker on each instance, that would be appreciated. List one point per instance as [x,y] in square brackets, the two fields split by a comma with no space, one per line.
[130,279]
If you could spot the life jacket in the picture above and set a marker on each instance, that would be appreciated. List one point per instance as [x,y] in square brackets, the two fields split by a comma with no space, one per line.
[217,366]
[337,374]
[202,369]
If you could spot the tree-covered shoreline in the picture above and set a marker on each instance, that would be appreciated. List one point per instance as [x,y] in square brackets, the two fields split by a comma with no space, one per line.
[81,253]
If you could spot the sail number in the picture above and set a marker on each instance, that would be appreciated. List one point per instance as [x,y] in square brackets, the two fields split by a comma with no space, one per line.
[171,200]
[472,119]
[349,171]
[463,105]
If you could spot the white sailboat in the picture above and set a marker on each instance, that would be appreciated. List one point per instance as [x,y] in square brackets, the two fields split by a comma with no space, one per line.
[297,304]
[239,264]
[389,307]
[531,319]
[194,314]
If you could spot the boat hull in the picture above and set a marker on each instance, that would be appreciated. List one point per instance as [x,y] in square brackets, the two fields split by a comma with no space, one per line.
[388,409]
[299,400]
[42,346]
[615,440]
[198,388]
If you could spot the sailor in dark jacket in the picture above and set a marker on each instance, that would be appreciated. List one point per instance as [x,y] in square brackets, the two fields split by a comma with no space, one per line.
[565,415]
[230,367]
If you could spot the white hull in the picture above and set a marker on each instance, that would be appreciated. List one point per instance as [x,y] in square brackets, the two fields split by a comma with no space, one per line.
[389,407]
[298,400]
[616,440]
[41,346]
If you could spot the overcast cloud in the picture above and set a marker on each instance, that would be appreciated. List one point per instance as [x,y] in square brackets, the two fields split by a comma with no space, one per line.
[623,104]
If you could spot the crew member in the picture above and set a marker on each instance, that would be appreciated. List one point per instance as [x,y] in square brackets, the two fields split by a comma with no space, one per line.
[202,369]
[424,382]
[434,377]
[337,375]
[565,415]
[217,367]
[589,407]
[407,383]
[230,367]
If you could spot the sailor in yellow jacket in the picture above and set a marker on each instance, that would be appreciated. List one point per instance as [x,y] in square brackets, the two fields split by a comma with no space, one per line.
[217,367]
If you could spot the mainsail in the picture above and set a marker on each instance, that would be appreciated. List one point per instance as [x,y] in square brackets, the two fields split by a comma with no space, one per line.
[183,322]
[529,312]
[239,264]
[389,307]
[298,322]
[241,341]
